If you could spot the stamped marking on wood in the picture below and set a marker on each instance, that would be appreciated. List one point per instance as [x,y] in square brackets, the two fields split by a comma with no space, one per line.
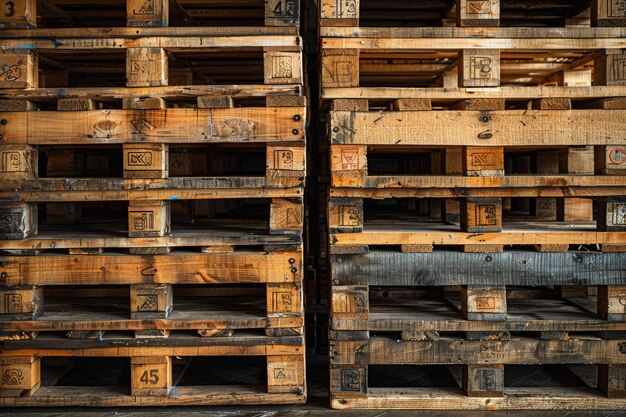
[348,216]
[283,159]
[619,213]
[478,7]
[486,215]
[480,67]
[491,350]
[150,376]
[282,301]
[486,303]
[139,159]
[285,8]
[9,221]
[12,72]
[350,158]
[147,8]
[228,129]
[282,67]
[619,68]
[150,302]
[142,220]
[12,303]
[351,380]
[294,216]
[341,71]
[487,380]
[12,376]
[616,8]
[11,162]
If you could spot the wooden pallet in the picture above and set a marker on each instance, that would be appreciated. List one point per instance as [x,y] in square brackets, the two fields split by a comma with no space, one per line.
[150,310]
[470,58]
[482,13]
[421,313]
[155,375]
[484,364]
[147,13]
[33,60]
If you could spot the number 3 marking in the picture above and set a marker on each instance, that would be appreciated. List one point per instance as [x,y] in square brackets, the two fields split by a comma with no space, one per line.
[11,6]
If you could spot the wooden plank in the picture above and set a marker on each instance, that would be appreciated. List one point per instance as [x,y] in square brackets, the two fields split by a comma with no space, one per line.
[451,350]
[159,126]
[238,267]
[473,128]
[457,268]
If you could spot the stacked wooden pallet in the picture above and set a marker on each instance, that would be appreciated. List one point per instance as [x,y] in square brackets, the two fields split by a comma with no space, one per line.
[477,181]
[151,186]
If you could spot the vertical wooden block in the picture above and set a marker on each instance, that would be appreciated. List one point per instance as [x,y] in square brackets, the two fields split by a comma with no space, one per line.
[575,78]
[282,67]
[608,13]
[19,376]
[143,103]
[345,215]
[286,216]
[612,302]
[21,303]
[484,303]
[350,302]
[481,215]
[610,160]
[478,12]
[483,162]
[145,160]
[18,14]
[612,380]
[348,163]
[479,68]
[18,162]
[483,380]
[18,68]
[151,301]
[285,374]
[145,13]
[282,12]
[340,68]
[146,67]
[151,376]
[610,67]
[18,220]
[348,381]
[284,161]
[284,300]
[339,12]
[148,218]
[611,214]
[453,165]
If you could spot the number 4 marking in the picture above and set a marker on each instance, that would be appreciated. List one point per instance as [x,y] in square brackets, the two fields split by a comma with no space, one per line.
[152,378]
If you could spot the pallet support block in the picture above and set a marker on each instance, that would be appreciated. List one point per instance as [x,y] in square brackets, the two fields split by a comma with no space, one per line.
[612,380]
[284,161]
[340,68]
[478,12]
[611,214]
[285,374]
[19,68]
[282,12]
[483,380]
[608,13]
[151,376]
[18,14]
[339,12]
[484,303]
[21,303]
[19,376]
[286,216]
[610,160]
[151,301]
[345,215]
[18,162]
[147,13]
[349,302]
[348,165]
[148,218]
[18,220]
[479,68]
[146,67]
[348,381]
[610,67]
[612,302]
